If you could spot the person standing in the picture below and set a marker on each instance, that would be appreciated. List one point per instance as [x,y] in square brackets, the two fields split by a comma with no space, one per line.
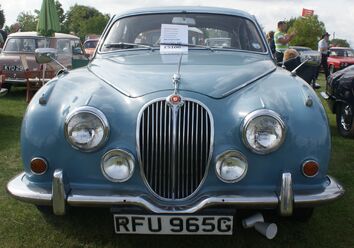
[3,37]
[270,39]
[323,46]
[281,40]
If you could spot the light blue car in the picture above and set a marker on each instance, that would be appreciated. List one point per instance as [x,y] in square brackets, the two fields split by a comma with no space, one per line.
[174,134]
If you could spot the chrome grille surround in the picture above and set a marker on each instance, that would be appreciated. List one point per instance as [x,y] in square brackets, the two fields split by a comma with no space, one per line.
[171,130]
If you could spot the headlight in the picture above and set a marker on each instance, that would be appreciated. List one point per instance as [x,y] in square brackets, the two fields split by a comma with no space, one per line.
[117,165]
[263,131]
[231,167]
[86,129]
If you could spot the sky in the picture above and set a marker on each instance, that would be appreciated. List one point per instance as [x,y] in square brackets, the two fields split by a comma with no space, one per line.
[337,15]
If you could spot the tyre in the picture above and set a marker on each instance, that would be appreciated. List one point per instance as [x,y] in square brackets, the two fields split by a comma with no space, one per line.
[302,214]
[6,86]
[345,119]
[332,69]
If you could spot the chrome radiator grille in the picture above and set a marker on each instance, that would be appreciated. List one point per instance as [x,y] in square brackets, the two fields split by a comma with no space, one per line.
[174,147]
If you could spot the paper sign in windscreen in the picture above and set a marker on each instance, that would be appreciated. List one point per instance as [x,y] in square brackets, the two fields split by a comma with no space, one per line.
[171,38]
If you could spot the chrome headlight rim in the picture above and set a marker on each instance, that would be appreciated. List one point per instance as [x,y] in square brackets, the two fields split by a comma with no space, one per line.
[222,157]
[258,113]
[97,113]
[128,156]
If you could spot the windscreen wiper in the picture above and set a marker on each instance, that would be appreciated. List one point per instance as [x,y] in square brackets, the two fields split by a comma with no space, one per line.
[126,45]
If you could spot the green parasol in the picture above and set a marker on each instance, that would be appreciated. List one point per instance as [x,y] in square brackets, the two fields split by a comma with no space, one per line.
[48,22]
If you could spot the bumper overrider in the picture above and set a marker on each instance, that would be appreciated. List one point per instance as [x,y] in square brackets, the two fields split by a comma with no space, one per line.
[61,196]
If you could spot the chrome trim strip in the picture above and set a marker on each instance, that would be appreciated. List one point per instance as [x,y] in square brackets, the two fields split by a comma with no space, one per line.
[19,188]
[286,196]
[211,147]
[96,112]
[22,190]
[257,113]
[58,193]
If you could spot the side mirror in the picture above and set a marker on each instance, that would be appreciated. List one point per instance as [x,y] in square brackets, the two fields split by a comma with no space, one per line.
[45,55]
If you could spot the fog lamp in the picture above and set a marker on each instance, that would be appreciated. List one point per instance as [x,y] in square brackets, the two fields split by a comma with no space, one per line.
[117,165]
[231,167]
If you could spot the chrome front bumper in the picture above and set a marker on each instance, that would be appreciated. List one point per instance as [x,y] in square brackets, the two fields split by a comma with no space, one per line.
[61,195]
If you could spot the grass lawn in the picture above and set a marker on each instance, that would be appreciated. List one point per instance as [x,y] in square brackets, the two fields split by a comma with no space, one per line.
[21,225]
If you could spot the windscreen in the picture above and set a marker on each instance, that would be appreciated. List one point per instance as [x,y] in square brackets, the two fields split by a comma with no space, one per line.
[28,45]
[213,30]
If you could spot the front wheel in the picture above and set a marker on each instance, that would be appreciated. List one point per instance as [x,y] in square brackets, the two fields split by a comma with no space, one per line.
[345,119]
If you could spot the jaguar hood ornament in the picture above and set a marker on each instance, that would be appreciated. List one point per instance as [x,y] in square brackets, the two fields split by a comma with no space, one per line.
[175,100]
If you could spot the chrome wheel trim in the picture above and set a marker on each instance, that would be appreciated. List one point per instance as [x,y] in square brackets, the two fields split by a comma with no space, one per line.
[346,117]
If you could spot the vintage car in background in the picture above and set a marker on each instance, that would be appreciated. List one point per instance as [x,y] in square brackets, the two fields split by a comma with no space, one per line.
[172,136]
[18,55]
[340,58]
[340,97]
[311,60]
[306,53]
[90,46]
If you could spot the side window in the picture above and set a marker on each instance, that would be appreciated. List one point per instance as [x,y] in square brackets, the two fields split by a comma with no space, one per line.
[29,45]
[76,47]
[63,46]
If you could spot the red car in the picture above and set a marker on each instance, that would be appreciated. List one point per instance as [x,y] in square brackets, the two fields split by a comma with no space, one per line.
[340,58]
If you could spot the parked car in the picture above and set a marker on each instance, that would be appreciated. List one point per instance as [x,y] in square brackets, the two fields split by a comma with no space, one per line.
[90,46]
[308,71]
[340,58]
[340,97]
[18,55]
[174,137]
[313,56]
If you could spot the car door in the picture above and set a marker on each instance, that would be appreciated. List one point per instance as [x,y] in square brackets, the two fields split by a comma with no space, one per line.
[79,59]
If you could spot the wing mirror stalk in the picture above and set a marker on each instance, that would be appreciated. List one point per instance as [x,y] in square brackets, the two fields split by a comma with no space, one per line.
[47,55]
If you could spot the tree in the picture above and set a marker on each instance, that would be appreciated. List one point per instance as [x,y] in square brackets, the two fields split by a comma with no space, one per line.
[83,20]
[27,21]
[340,42]
[2,17]
[308,31]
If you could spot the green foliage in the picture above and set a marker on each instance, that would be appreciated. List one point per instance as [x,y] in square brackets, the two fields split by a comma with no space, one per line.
[83,20]
[308,31]
[340,42]
[62,16]
[27,21]
[2,17]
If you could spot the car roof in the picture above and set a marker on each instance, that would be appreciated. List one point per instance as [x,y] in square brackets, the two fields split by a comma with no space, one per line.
[341,48]
[185,9]
[300,47]
[91,40]
[35,34]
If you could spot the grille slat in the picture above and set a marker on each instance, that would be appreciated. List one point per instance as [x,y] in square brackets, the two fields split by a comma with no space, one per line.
[174,147]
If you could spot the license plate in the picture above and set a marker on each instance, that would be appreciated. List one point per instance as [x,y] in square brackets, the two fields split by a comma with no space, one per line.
[173,225]
[12,68]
